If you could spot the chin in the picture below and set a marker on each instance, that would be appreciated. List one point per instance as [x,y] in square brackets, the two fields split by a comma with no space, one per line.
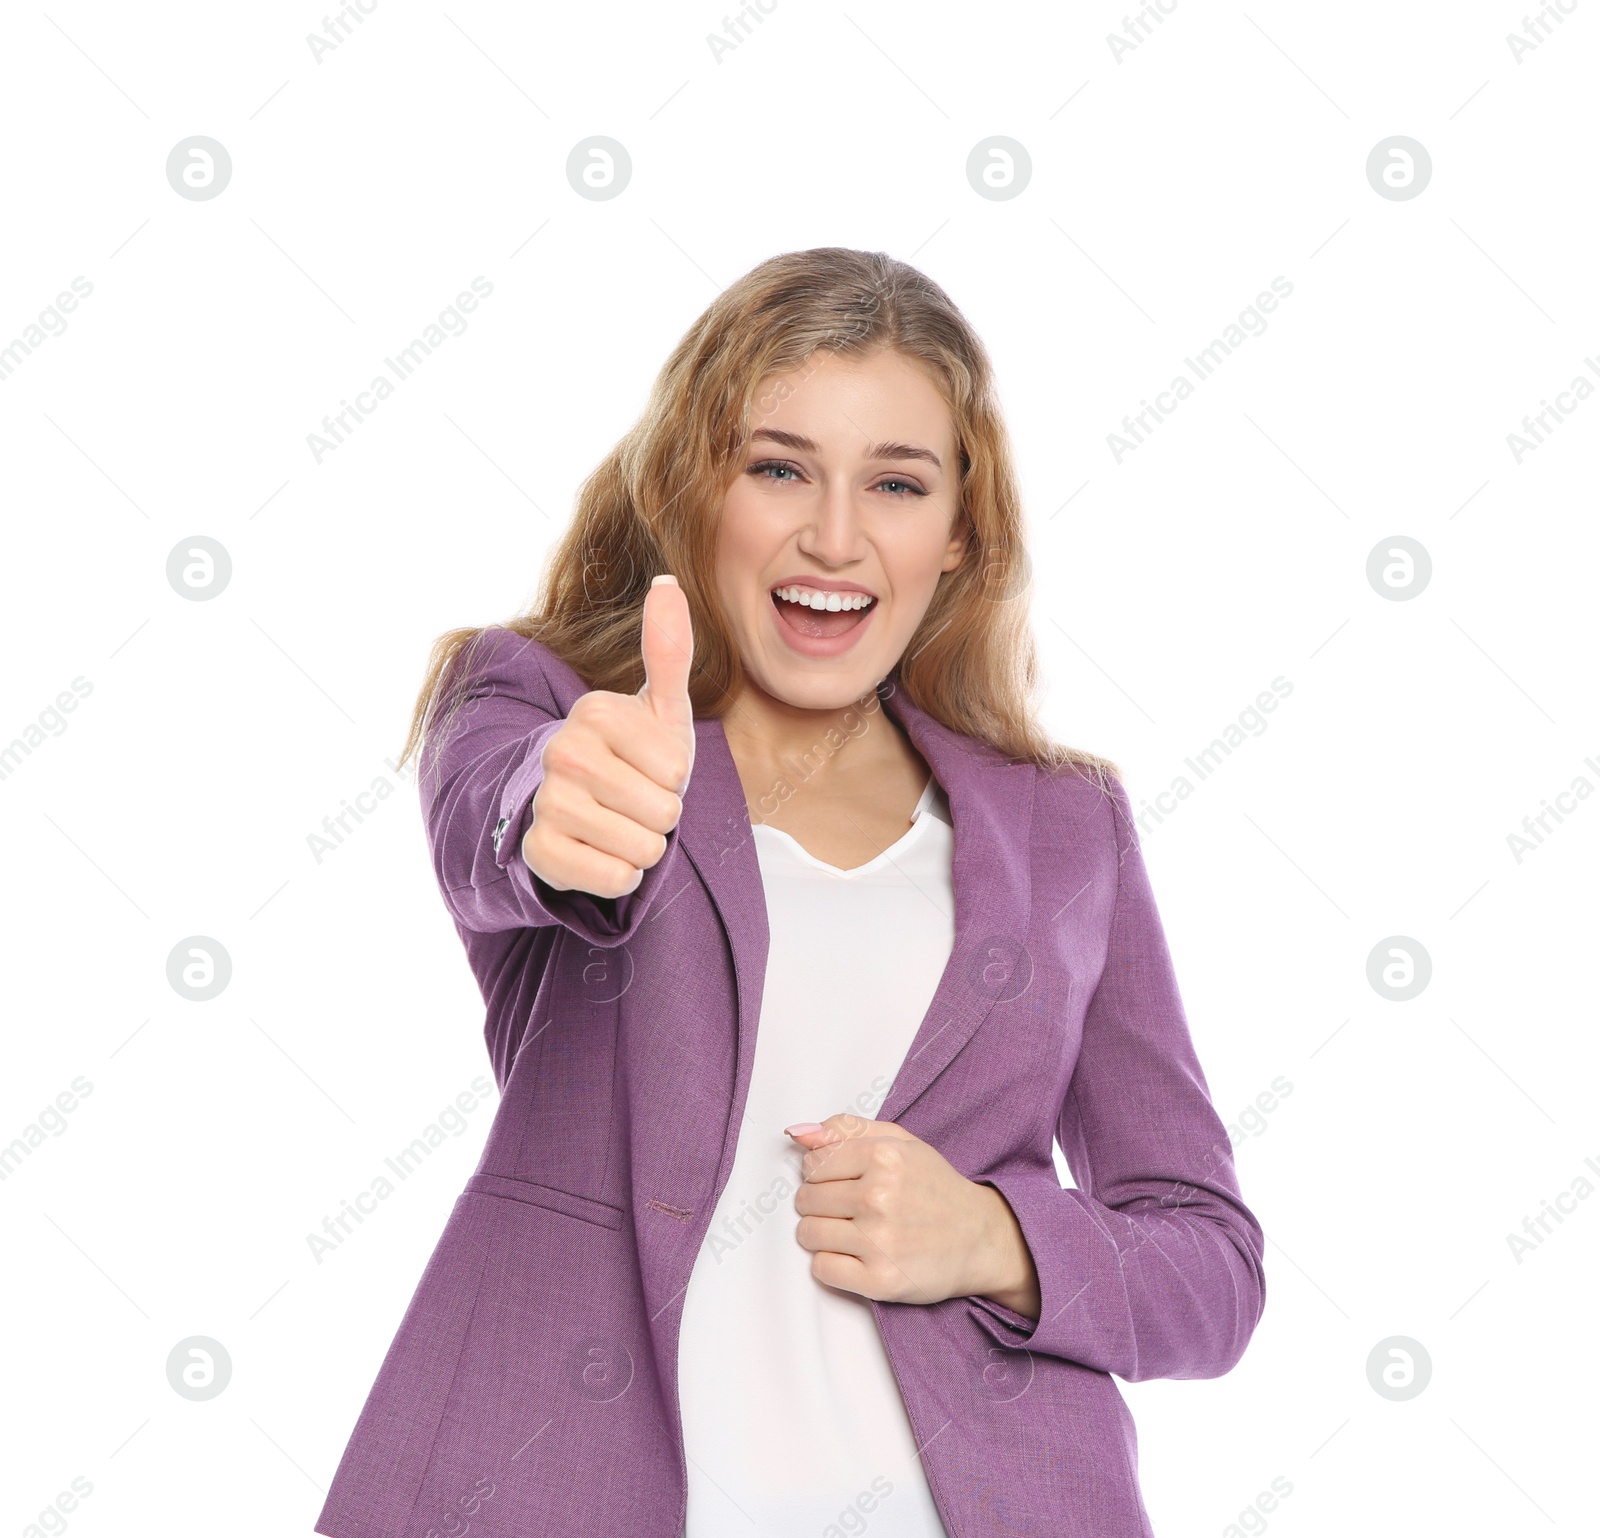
[805,685]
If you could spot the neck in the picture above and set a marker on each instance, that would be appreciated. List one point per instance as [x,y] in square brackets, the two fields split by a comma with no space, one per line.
[772,740]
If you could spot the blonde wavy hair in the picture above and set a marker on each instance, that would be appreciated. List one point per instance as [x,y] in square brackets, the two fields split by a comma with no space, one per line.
[655,502]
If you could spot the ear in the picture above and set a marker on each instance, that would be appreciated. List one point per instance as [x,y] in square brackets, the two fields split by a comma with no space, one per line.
[955,552]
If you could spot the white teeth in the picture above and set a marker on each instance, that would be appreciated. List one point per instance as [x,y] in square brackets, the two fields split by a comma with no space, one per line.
[817,600]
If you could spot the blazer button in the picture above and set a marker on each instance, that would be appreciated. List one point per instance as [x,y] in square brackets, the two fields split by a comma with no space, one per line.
[499,833]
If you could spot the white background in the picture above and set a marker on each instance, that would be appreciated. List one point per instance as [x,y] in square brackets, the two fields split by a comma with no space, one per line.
[1168,188]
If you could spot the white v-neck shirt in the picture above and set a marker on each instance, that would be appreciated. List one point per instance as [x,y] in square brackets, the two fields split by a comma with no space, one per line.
[792,1420]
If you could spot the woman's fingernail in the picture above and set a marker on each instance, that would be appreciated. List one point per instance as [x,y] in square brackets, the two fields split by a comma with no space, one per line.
[801,1127]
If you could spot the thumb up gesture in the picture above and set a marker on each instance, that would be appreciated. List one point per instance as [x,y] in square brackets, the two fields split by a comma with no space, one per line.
[616,770]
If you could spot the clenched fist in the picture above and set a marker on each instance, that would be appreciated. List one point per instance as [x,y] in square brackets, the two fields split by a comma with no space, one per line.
[616,770]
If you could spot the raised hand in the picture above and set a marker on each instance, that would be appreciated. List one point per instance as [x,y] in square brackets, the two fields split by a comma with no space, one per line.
[616,770]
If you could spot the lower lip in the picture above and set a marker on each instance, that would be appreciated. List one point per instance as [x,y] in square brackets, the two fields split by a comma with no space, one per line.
[817,646]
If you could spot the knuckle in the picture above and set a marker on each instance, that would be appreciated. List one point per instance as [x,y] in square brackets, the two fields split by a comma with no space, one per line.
[550,803]
[561,752]
[601,705]
[642,850]
[619,880]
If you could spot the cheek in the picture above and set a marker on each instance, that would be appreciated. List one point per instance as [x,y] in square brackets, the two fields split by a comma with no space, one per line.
[738,544]
[914,566]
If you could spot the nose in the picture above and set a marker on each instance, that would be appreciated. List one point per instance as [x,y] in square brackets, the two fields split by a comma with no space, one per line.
[831,533]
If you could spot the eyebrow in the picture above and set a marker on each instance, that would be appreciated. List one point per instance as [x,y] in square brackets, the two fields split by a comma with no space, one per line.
[803,445]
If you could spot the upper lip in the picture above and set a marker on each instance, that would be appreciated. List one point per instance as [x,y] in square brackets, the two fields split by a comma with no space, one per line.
[823,585]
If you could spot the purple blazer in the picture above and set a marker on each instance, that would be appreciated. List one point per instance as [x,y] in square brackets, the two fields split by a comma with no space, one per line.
[531,1389]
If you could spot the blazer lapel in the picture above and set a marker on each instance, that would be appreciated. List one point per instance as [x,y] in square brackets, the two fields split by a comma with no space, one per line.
[991,808]
[715,833]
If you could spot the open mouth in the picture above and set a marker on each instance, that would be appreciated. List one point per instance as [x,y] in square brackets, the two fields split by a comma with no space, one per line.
[819,615]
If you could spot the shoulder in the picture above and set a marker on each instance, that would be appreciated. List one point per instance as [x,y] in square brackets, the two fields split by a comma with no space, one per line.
[499,662]
[1073,804]
[1076,793]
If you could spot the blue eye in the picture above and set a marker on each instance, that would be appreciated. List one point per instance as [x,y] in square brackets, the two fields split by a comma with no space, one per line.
[761,469]
[769,464]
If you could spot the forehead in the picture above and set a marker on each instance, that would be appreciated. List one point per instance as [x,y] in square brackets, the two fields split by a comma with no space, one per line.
[843,400]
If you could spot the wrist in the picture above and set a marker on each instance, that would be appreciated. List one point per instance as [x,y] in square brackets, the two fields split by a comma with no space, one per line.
[1013,1278]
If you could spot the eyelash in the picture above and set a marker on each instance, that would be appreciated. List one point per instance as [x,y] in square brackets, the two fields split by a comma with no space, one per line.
[781,464]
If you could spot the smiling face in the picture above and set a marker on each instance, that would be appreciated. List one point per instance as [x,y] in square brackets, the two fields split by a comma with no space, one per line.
[846,504]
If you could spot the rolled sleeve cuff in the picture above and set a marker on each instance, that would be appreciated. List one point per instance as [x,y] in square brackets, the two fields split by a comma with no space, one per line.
[516,800]
[602,921]
[1075,1308]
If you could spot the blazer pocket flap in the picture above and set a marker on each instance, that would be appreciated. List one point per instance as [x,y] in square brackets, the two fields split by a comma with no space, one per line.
[530,1191]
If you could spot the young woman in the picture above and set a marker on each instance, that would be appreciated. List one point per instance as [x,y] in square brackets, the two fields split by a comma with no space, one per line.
[800,943]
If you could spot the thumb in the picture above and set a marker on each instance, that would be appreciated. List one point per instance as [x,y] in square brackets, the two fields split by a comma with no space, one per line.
[667,642]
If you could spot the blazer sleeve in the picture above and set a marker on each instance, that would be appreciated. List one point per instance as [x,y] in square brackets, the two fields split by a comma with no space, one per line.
[477,782]
[1152,1268]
